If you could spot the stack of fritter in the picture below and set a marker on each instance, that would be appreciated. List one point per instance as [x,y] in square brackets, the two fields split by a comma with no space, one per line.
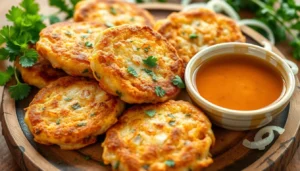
[113,56]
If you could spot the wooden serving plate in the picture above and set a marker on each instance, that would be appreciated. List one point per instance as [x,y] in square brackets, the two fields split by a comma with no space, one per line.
[228,153]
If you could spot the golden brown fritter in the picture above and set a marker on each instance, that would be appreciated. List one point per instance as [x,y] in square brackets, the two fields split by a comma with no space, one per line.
[136,64]
[112,13]
[174,135]
[40,74]
[71,112]
[67,45]
[190,31]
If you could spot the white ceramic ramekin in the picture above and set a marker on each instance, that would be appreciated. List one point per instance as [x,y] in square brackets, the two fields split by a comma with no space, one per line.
[236,119]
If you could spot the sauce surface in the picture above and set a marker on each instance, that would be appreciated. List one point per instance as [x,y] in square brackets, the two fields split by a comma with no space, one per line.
[239,82]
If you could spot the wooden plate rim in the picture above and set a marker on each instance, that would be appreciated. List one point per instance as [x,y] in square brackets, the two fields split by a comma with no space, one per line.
[280,150]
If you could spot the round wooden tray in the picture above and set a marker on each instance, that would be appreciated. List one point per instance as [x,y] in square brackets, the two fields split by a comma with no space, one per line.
[228,153]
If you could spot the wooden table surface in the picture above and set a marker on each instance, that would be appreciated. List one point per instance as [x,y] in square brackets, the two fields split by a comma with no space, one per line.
[7,162]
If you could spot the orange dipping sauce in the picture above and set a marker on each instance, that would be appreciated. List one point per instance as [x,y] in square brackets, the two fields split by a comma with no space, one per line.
[239,82]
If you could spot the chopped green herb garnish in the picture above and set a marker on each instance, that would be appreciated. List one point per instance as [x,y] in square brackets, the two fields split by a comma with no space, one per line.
[88,44]
[172,123]
[159,91]
[177,81]
[92,114]
[57,121]
[193,36]
[87,157]
[81,124]
[68,33]
[138,49]
[108,24]
[67,99]
[131,71]
[146,166]
[150,113]
[76,106]
[150,73]
[170,163]
[171,115]
[89,31]
[150,61]
[113,11]
[119,93]
[146,49]
[84,36]
[85,71]
[116,165]
[132,19]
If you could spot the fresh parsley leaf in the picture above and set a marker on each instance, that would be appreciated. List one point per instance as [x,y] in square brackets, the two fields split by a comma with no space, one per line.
[62,5]
[150,73]
[15,14]
[54,19]
[150,113]
[282,20]
[23,31]
[29,58]
[296,26]
[6,76]
[30,6]
[8,33]
[19,91]
[150,61]
[3,54]
[131,71]
[170,163]
[159,91]
[74,2]
[193,36]
[177,81]
[296,52]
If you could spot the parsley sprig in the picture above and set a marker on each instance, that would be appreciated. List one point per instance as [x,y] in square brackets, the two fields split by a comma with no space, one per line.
[283,20]
[19,37]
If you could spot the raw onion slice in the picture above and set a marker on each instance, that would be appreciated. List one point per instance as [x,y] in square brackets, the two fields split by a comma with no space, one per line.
[219,6]
[193,5]
[261,143]
[185,2]
[261,132]
[261,25]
